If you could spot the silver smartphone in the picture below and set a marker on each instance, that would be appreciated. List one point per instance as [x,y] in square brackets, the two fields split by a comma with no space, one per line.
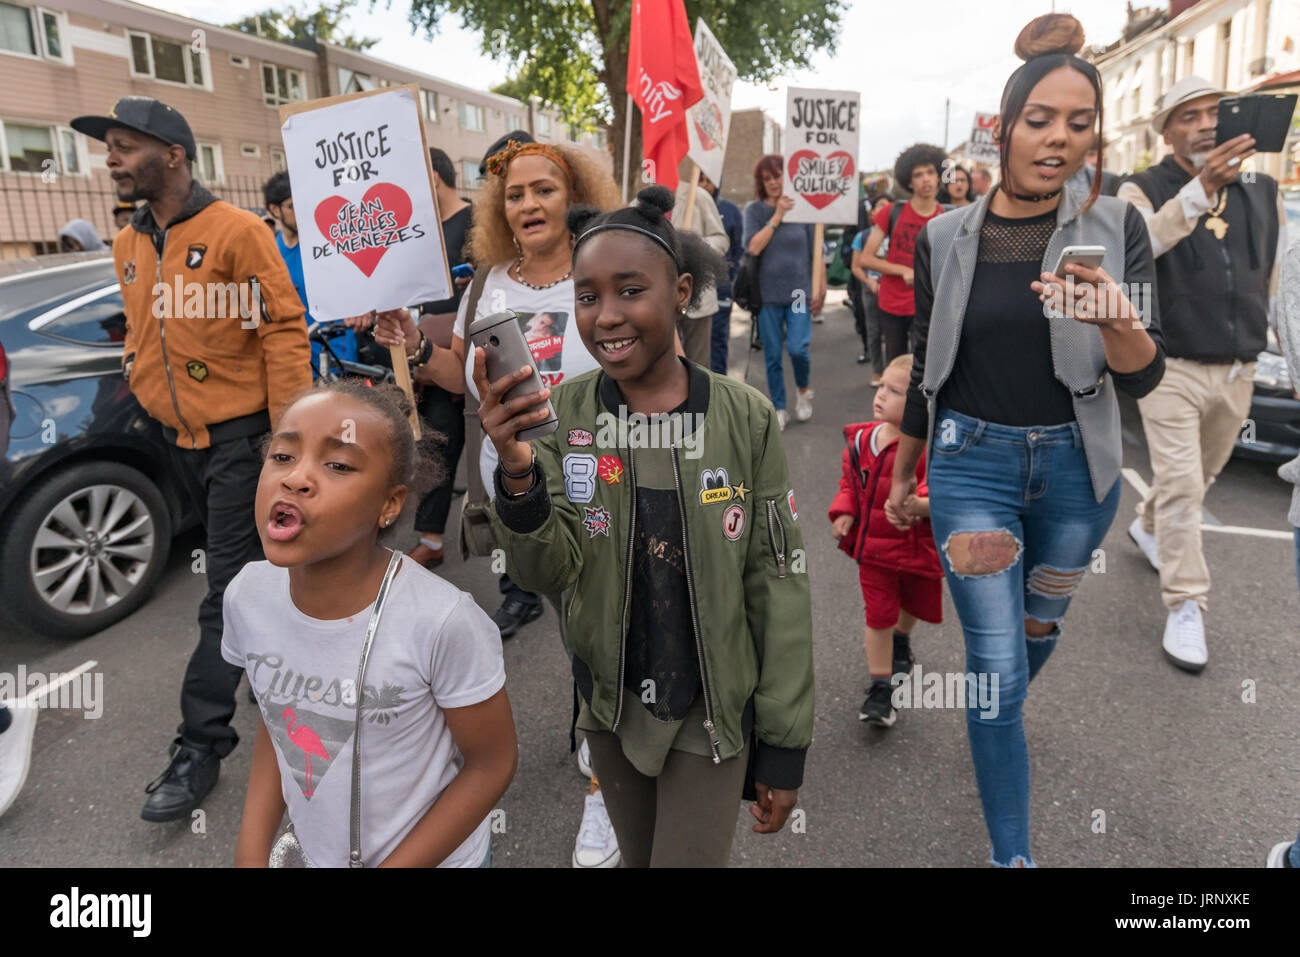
[505,349]
[1090,256]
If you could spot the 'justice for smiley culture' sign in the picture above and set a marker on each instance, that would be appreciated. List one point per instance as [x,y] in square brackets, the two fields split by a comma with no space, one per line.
[367,219]
[821,155]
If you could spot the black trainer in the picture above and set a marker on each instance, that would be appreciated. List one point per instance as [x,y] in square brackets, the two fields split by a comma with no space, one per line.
[189,777]
[903,657]
[879,706]
[514,614]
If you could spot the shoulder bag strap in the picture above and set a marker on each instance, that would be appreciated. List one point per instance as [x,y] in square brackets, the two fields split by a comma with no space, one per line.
[354,822]
[475,492]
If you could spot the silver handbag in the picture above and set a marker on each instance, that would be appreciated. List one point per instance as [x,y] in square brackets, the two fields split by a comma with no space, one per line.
[288,851]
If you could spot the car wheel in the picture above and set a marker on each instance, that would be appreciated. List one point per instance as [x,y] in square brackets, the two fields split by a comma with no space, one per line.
[84,549]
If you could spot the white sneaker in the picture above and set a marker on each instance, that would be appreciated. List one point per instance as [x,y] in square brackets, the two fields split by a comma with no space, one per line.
[803,406]
[1184,641]
[1145,541]
[782,417]
[596,845]
[584,760]
[1276,855]
[16,752]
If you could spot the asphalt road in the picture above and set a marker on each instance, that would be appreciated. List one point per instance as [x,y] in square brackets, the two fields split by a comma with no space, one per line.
[1133,762]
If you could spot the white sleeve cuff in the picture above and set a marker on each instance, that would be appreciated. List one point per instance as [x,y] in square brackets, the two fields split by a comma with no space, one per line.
[1193,200]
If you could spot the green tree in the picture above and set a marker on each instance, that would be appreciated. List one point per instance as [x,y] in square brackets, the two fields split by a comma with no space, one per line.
[588,105]
[292,25]
[574,52]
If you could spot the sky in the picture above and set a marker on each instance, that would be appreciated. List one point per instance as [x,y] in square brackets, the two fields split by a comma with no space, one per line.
[904,68]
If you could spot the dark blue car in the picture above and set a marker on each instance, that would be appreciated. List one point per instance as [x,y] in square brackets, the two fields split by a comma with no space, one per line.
[88,503]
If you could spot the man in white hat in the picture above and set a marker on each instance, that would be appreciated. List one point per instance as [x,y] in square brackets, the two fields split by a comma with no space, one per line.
[1218,238]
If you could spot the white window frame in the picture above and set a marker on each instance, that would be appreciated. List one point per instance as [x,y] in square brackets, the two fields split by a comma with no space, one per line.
[56,134]
[239,60]
[514,122]
[302,84]
[469,175]
[219,167]
[543,125]
[462,108]
[429,100]
[278,161]
[250,150]
[187,60]
[36,16]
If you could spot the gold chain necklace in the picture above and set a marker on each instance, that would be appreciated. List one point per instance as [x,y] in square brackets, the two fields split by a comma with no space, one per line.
[1216,223]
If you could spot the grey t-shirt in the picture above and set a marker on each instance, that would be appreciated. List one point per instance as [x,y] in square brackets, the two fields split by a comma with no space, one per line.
[434,649]
[786,263]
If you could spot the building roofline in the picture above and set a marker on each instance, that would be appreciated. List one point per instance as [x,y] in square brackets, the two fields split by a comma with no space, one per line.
[87,8]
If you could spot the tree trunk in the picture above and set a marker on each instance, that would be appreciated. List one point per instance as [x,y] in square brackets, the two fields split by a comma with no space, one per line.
[614,75]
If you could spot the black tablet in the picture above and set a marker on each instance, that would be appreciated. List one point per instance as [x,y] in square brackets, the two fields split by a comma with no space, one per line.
[1265,116]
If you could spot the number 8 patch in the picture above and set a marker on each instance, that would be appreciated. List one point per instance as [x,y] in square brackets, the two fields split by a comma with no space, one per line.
[579,477]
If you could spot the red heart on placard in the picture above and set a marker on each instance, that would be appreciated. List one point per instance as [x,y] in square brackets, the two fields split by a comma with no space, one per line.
[384,210]
[820,199]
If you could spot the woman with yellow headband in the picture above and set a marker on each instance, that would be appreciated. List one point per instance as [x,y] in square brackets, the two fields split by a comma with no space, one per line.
[520,239]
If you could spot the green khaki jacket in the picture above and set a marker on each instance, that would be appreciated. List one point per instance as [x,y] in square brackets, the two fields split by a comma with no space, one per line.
[745,562]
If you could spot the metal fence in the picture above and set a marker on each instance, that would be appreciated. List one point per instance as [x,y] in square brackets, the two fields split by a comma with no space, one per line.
[34,206]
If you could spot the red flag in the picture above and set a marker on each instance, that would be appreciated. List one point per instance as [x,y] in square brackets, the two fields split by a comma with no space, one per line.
[664,81]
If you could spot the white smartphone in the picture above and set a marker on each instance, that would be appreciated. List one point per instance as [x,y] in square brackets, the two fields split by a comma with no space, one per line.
[1090,256]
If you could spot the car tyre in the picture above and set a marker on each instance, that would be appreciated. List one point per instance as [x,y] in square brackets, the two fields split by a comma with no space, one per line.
[107,532]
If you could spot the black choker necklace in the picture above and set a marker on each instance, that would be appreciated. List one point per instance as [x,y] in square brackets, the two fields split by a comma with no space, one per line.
[1030,197]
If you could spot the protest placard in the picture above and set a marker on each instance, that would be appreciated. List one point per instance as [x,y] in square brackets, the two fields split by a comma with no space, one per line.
[822,128]
[367,212]
[983,148]
[709,120]
[363,191]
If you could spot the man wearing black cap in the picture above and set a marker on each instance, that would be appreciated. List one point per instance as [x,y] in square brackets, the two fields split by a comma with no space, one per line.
[215,349]
[122,213]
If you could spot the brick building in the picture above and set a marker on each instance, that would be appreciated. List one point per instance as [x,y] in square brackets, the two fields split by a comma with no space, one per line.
[753,134]
[73,57]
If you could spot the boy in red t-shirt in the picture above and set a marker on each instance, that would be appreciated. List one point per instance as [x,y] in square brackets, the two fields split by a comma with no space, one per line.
[916,169]
[898,568]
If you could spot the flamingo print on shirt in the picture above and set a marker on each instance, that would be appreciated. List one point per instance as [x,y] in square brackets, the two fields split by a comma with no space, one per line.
[309,742]
[316,716]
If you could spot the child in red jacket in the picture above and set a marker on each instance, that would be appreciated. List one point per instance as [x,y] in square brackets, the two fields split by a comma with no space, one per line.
[899,569]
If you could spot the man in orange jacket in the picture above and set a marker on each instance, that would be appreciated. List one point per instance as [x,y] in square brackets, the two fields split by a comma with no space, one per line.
[216,349]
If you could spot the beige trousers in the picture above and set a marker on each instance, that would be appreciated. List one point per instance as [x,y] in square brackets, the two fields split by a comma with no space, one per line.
[696,335]
[1192,420]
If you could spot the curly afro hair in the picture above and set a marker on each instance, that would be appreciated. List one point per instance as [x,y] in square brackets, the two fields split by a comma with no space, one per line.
[918,154]
[649,214]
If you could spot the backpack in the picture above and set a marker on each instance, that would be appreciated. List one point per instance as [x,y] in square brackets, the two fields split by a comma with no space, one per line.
[476,536]
[744,288]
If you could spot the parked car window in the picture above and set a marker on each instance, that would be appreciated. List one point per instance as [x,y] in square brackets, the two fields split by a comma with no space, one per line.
[98,323]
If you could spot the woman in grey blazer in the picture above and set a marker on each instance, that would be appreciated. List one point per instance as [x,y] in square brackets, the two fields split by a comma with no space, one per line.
[1013,389]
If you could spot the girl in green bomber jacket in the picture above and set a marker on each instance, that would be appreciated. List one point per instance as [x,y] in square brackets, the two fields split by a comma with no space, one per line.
[662,509]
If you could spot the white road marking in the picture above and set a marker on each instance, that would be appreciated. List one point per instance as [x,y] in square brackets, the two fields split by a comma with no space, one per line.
[1213,525]
[37,693]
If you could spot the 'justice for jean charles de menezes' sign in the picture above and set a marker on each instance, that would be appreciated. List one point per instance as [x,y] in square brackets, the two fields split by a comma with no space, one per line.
[363,192]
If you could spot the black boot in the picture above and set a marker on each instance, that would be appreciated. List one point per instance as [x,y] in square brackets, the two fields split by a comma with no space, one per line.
[189,777]
[514,614]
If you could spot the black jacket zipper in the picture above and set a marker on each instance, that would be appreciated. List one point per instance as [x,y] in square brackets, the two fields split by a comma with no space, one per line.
[159,245]
[709,726]
[627,585]
[774,523]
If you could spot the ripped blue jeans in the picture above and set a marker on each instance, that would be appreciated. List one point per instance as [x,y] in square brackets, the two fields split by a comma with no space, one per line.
[1016,523]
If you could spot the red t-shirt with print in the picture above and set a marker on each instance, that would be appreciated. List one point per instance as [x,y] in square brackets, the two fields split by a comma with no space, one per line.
[896,295]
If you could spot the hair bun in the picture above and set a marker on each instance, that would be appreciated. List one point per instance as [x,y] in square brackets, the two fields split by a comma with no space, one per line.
[579,216]
[1050,33]
[655,202]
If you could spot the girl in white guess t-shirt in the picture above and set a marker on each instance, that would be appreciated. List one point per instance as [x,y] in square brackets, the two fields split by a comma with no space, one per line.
[439,745]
